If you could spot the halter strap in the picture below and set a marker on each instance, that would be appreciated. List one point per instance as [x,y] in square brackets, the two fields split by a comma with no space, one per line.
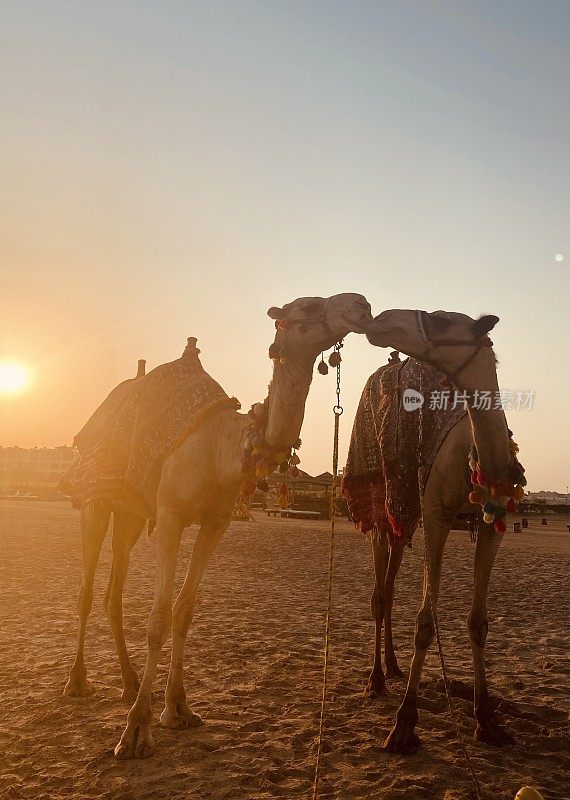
[478,344]
[283,324]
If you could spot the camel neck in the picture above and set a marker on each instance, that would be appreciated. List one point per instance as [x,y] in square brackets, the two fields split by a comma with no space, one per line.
[288,392]
[491,438]
[490,432]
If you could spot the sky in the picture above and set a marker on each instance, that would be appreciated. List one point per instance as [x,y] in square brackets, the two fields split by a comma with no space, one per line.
[174,169]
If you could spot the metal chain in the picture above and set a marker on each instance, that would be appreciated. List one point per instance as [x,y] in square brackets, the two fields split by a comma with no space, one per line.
[337,411]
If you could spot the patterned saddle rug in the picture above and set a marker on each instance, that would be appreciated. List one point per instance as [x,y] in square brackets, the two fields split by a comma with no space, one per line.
[121,448]
[392,449]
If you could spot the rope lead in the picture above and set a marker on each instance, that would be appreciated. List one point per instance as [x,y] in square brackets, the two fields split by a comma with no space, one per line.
[337,411]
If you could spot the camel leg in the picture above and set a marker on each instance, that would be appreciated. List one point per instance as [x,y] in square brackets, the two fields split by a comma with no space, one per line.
[177,713]
[376,681]
[94,525]
[488,729]
[402,738]
[127,529]
[396,553]
[136,740]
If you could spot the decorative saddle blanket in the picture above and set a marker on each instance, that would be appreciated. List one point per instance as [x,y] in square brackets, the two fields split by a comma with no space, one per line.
[121,448]
[392,448]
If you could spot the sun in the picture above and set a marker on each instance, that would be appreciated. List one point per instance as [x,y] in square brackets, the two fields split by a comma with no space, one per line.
[14,377]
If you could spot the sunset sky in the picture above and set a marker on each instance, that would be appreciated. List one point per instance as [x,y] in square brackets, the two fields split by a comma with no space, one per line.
[173,169]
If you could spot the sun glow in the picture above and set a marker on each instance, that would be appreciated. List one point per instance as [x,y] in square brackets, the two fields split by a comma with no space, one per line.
[14,377]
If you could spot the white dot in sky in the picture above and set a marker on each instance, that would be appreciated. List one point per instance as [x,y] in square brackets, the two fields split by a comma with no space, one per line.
[559,257]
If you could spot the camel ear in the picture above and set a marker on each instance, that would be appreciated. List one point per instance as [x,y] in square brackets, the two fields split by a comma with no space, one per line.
[484,324]
[275,313]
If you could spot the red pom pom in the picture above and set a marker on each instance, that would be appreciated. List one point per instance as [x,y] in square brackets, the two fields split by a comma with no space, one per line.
[473,498]
[499,526]
[474,478]
[511,506]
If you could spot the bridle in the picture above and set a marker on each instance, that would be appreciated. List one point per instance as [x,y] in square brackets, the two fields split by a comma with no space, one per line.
[283,324]
[433,342]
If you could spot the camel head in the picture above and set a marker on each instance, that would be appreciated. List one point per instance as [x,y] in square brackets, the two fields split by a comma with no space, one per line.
[454,343]
[310,325]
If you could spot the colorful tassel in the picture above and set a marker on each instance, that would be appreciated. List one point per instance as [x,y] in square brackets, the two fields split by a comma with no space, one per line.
[506,493]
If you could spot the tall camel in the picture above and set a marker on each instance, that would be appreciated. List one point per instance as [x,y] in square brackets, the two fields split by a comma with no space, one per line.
[127,529]
[459,347]
[200,482]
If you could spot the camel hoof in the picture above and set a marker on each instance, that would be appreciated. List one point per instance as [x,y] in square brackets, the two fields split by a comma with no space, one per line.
[375,693]
[144,749]
[136,742]
[376,686]
[402,740]
[180,718]
[394,671]
[492,733]
[124,750]
[77,688]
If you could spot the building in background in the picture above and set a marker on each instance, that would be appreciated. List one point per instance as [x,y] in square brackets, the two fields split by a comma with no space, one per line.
[548,498]
[34,466]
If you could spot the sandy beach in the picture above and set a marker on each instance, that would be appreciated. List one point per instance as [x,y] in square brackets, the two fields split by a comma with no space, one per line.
[254,668]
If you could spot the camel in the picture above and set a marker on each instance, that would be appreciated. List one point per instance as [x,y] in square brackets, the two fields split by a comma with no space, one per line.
[459,347]
[200,482]
[127,529]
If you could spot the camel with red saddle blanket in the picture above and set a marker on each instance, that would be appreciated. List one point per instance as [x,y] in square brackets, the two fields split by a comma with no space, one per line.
[459,347]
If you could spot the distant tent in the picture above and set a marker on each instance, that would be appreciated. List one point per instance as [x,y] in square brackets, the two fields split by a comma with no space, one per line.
[324,477]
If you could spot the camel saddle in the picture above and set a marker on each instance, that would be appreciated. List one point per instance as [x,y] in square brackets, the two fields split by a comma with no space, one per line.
[121,449]
[393,445]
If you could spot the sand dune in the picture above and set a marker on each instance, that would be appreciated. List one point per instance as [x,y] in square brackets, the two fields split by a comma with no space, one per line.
[254,665]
